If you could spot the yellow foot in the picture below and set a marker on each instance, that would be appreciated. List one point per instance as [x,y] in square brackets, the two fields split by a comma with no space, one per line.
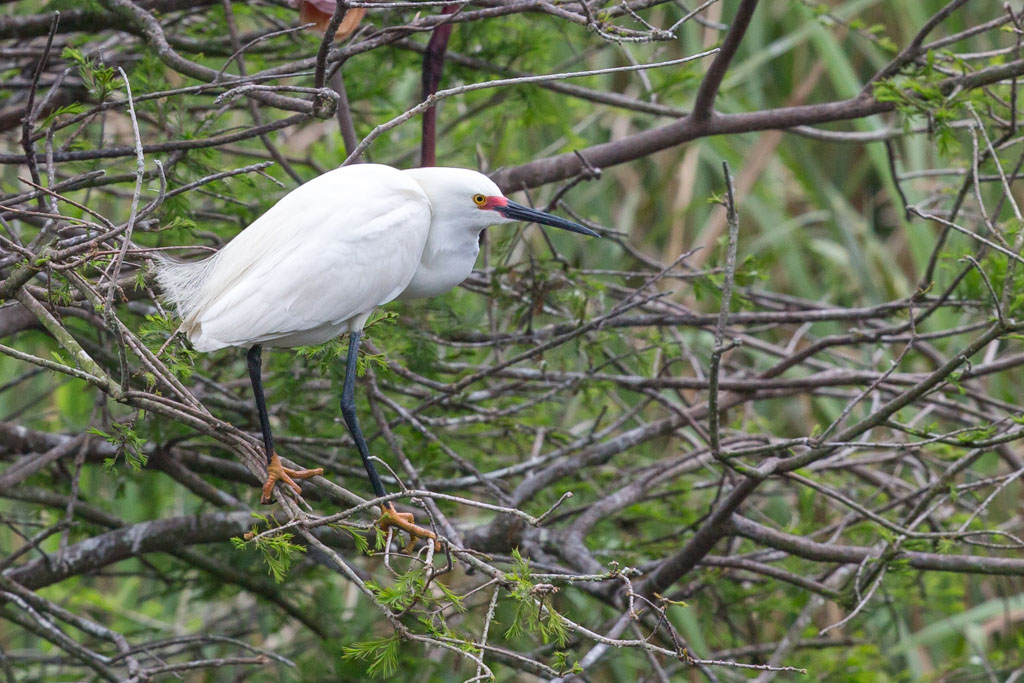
[278,472]
[390,517]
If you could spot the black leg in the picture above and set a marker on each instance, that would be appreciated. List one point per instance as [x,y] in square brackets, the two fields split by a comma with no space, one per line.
[348,411]
[253,359]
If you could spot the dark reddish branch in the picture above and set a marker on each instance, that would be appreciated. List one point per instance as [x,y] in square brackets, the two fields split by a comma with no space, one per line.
[699,123]
[433,67]
[562,166]
[330,29]
[704,103]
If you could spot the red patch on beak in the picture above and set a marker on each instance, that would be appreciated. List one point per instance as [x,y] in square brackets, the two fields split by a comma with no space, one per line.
[493,203]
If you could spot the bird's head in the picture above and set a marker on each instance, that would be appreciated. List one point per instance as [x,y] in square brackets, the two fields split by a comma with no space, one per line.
[472,200]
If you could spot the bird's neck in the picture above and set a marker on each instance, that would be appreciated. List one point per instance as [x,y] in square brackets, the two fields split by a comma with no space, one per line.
[447,260]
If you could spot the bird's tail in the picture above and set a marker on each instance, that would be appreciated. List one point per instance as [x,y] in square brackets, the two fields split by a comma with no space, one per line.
[182,282]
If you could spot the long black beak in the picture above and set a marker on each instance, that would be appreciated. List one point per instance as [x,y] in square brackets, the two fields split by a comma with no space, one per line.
[524,213]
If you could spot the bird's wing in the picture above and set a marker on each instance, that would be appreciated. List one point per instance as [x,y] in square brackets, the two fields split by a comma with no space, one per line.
[331,250]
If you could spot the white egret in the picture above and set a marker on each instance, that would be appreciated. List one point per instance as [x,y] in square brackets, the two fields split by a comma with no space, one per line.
[323,258]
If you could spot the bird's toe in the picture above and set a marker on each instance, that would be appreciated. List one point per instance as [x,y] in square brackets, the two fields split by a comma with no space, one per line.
[405,521]
[277,472]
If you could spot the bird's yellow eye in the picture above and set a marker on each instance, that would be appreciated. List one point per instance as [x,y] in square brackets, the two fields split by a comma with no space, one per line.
[479,199]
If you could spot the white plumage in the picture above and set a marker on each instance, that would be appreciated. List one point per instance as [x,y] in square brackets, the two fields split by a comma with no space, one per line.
[323,257]
[320,260]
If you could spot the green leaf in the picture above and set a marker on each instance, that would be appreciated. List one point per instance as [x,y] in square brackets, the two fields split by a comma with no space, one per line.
[382,654]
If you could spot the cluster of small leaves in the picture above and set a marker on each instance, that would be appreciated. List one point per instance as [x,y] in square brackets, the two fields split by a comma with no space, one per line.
[407,594]
[157,331]
[381,653]
[358,537]
[919,94]
[128,442]
[406,589]
[534,612]
[100,80]
[410,588]
[276,547]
